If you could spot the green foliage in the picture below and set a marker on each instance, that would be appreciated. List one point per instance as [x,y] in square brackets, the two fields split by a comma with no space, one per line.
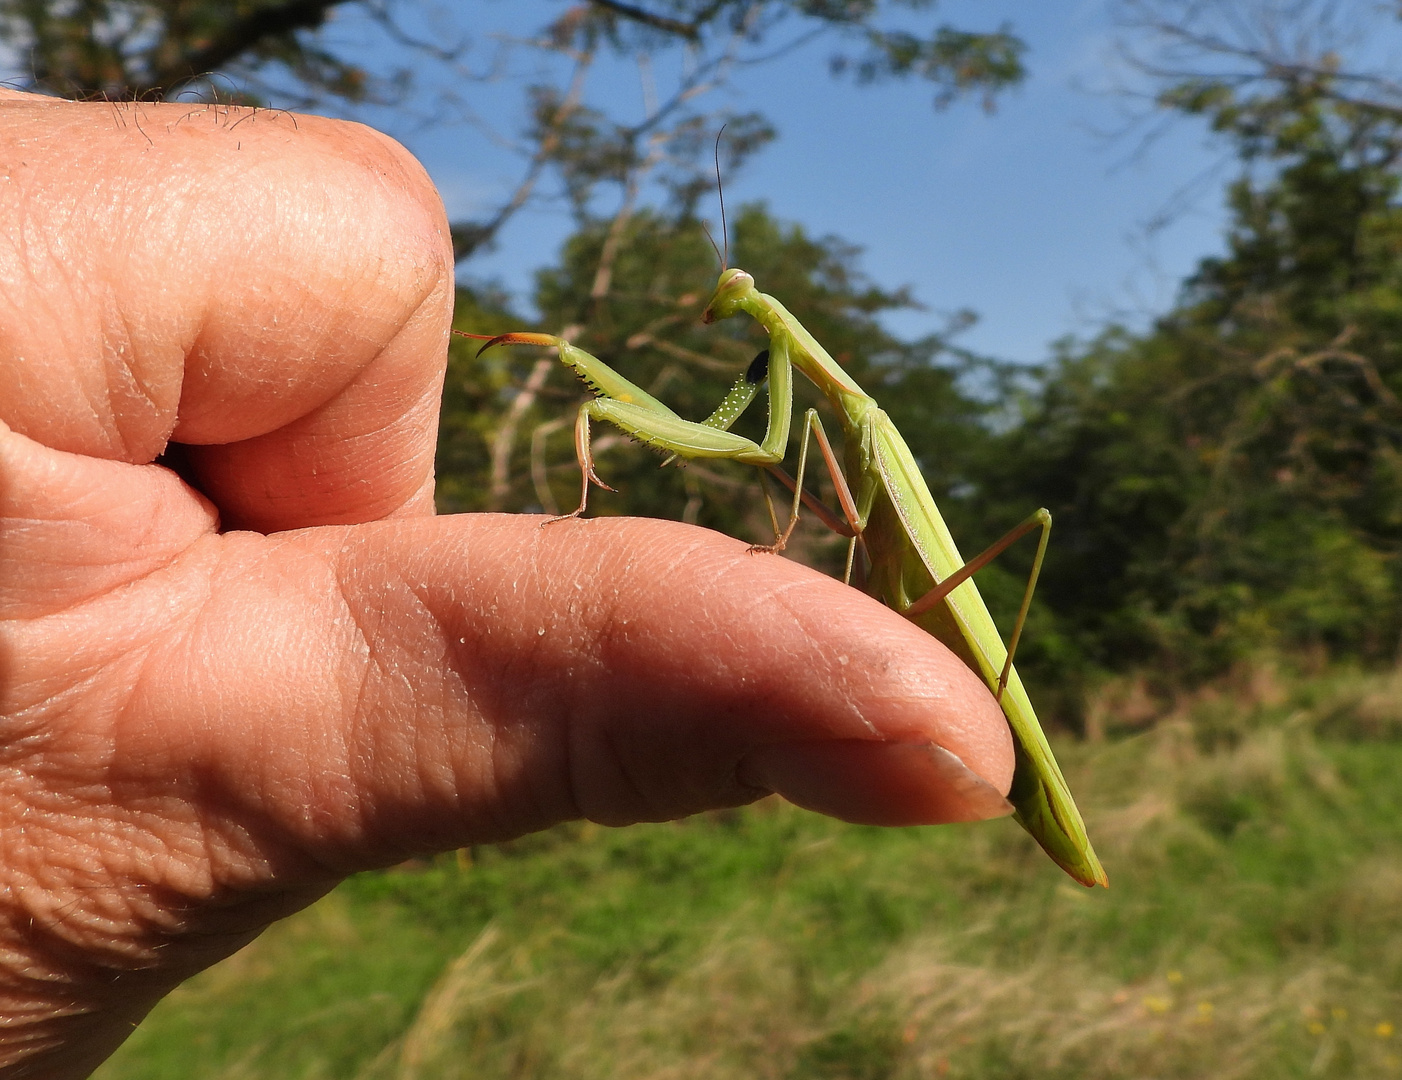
[957,61]
[127,49]
[860,1051]
[134,49]
[475,391]
[1228,482]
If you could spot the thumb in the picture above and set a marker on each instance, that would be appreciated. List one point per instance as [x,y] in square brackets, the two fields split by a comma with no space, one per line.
[621,671]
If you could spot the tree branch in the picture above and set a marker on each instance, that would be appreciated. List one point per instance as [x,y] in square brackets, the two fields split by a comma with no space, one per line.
[244,35]
[468,236]
[690,31]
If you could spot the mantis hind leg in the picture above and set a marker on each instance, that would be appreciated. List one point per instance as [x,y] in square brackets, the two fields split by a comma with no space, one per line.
[1039,519]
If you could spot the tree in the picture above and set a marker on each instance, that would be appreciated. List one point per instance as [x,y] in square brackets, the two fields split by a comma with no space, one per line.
[1231,480]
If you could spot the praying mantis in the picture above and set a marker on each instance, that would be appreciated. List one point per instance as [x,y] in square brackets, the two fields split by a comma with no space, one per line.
[887,510]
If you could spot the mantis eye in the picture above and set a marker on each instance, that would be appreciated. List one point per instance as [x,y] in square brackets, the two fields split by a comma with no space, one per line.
[735,280]
[732,286]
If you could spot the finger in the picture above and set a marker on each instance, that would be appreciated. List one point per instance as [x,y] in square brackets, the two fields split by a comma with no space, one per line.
[643,670]
[420,685]
[273,291]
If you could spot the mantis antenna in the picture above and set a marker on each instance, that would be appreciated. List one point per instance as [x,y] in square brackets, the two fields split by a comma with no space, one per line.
[714,246]
[720,191]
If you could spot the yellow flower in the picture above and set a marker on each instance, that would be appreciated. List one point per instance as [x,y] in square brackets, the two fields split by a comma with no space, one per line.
[1157,1004]
[1175,977]
[1384,1030]
[1314,1027]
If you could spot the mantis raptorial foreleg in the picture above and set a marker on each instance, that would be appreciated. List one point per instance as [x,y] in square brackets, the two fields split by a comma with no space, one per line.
[637,413]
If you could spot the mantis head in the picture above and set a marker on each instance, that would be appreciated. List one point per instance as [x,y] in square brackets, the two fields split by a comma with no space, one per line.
[732,289]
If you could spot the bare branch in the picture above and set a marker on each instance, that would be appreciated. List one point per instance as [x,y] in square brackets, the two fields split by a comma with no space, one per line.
[242,36]
[470,236]
[690,31]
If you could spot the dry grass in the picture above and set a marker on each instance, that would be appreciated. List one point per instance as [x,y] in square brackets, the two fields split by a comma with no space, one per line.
[1068,1019]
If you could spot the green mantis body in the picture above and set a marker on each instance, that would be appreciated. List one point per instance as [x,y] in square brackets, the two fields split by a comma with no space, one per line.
[915,567]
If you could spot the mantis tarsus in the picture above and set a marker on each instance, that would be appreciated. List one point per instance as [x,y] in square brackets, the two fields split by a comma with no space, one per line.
[887,510]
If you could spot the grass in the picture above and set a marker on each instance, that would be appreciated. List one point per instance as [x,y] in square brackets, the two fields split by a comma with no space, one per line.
[1253,929]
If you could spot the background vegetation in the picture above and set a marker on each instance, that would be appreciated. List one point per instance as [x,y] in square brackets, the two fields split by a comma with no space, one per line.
[1220,614]
[1224,484]
[1253,929]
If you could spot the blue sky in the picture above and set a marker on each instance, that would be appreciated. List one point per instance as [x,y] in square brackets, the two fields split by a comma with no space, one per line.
[1034,217]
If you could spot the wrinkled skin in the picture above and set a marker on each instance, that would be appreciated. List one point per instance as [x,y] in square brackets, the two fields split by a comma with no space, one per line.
[218,700]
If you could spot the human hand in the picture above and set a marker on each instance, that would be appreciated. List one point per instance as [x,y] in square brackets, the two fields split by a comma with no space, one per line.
[215,704]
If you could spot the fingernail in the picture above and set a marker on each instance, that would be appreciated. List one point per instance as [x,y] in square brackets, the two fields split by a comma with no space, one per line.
[984,800]
[875,783]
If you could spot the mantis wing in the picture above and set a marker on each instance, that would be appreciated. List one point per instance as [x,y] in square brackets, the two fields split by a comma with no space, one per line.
[911,551]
